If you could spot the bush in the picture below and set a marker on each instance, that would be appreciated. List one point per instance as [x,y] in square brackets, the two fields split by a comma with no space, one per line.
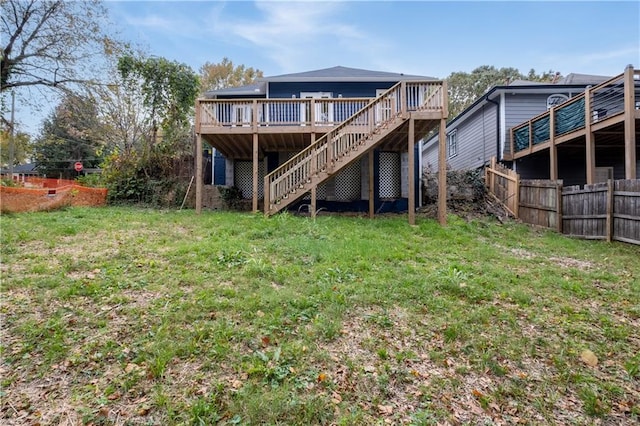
[231,195]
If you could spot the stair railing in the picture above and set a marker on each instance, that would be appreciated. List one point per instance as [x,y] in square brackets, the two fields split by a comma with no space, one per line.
[320,156]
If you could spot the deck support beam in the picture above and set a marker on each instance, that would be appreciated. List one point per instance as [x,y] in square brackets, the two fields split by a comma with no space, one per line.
[553,148]
[199,178]
[442,172]
[589,140]
[255,174]
[411,172]
[630,171]
[313,202]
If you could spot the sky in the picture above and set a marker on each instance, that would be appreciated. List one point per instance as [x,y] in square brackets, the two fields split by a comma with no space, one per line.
[427,38]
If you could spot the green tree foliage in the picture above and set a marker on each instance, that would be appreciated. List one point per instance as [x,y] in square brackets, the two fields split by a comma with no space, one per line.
[168,88]
[68,136]
[225,74]
[150,110]
[465,88]
[23,149]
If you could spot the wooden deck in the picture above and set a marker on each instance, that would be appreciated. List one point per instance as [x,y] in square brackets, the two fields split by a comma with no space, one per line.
[609,111]
[326,134]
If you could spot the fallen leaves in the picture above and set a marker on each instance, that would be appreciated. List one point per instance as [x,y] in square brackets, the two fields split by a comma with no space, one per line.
[385,410]
[589,358]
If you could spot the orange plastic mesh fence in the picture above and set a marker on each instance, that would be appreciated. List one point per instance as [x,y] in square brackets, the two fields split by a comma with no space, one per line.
[39,194]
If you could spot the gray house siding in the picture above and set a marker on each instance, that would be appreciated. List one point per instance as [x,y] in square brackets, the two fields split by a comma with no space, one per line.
[477,141]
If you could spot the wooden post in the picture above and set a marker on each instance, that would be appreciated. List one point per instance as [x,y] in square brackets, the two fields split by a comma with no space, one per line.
[559,206]
[630,171]
[516,196]
[553,149]
[255,173]
[254,116]
[403,98]
[492,176]
[313,202]
[199,178]
[267,195]
[589,140]
[411,173]
[610,211]
[442,172]
[372,201]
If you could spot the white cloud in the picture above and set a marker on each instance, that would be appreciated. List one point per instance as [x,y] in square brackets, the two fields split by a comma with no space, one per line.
[302,35]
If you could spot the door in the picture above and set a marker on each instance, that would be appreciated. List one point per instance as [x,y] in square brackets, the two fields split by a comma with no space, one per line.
[323,109]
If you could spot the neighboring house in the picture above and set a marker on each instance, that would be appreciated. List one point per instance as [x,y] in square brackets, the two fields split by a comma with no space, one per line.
[336,138]
[483,130]
[21,171]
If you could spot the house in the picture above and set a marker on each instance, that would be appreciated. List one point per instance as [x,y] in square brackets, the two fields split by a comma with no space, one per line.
[486,129]
[20,172]
[339,138]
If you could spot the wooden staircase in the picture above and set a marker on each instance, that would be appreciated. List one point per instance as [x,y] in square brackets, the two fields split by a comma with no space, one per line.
[348,141]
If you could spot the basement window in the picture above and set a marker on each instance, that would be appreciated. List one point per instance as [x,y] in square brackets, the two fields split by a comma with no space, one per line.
[452,144]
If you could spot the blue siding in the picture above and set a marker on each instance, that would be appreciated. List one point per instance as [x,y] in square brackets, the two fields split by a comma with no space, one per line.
[346,89]
[219,169]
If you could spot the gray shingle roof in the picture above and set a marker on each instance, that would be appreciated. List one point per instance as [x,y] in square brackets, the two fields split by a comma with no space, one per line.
[583,79]
[255,89]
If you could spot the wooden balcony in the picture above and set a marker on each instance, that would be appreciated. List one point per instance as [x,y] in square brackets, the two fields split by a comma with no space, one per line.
[293,124]
[609,110]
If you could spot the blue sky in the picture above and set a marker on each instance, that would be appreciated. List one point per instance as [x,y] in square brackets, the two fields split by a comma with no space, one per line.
[413,37]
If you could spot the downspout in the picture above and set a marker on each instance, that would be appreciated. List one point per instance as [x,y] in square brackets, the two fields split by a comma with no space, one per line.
[497,104]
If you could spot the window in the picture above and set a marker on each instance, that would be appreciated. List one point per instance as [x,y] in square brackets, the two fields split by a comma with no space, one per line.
[452,143]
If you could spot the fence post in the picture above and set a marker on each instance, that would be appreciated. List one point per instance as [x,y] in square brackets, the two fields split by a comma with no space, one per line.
[610,211]
[492,176]
[516,207]
[559,206]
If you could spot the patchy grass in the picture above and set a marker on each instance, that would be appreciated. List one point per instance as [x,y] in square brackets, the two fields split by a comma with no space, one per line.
[125,316]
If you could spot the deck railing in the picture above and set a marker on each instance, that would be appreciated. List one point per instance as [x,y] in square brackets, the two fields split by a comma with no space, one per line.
[598,103]
[319,157]
[254,113]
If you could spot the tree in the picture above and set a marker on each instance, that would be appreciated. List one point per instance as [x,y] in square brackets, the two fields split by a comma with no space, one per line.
[168,90]
[225,74]
[68,136]
[465,88]
[22,148]
[48,43]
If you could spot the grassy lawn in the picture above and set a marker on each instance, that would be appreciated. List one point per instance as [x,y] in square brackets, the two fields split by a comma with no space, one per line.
[131,316]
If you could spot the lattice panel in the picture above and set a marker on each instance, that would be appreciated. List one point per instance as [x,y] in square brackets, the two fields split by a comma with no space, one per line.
[347,183]
[389,179]
[243,178]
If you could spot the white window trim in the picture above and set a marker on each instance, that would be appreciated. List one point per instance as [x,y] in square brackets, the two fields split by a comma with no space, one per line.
[452,135]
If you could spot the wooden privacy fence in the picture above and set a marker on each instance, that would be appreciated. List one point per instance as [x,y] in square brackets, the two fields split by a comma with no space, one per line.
[538,203]
[606,211]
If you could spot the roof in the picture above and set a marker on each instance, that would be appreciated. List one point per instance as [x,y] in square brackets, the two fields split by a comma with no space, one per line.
[340,73]
[255,89]
[29,168]
[581,79]
[334,74]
